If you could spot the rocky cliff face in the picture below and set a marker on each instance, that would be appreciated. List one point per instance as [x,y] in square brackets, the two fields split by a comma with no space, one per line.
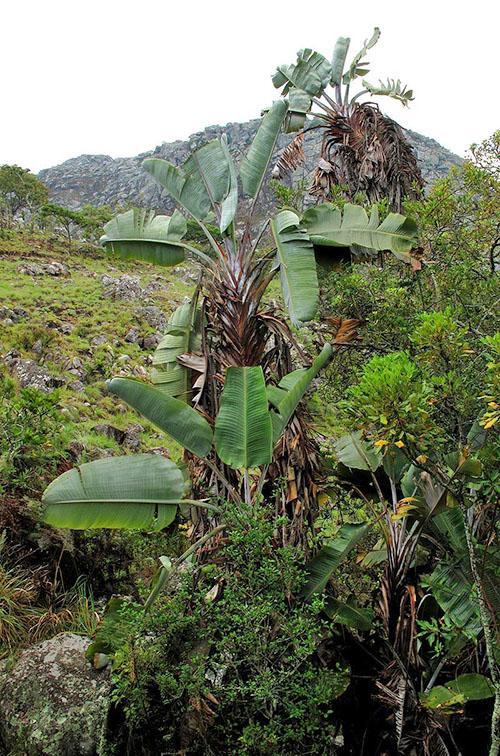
[100,179]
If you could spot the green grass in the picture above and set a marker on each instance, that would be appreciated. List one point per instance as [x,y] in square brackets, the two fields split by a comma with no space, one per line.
[78,299]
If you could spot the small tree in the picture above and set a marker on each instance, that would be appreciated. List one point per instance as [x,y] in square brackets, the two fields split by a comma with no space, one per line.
[19,190]
[63,216]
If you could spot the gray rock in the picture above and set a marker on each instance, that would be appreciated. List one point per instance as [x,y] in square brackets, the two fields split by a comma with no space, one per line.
[53,268]
[53,702]
[98,340]
[15,314]
[77,386]
[66,327]
[124,287]
[132,336]
[32,375]
[100,179]
[153,316]
[150,341]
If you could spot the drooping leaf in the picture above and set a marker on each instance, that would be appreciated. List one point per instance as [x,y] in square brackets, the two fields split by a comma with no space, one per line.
[291,390]
[181,421]
[299,280]
[202,184]
[338,60]
[464,688]
[349,615]
[358,66]
[243,431]
[181,337]
[135,492]
[311,73]
[299,105]
[327,226]
[355,453]
[451,585]
[139,234]
[392,88]
[472,686]
[254,165]
[322,566]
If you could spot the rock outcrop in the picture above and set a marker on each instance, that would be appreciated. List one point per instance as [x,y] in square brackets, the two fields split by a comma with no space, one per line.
[52,701]
[100,179]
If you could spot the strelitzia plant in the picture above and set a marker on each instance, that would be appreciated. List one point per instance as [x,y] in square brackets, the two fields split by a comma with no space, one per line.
[363,151]
[223,385]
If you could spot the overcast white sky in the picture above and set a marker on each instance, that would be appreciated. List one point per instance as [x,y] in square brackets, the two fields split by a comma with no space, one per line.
[119,77]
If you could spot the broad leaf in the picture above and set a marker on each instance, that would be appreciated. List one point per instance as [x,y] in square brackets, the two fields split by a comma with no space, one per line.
[311,73]
[327,226]
[322,566]
[254,165]
[139,234]
[291,390]
[243,431]
[181,337]
[452,587]
[299,105]
[338,60]
[299,280]
[464,688]
[178,419]
[358,65]
[203,183]
[355,453]
[349,615]
[392,88]
[136,492]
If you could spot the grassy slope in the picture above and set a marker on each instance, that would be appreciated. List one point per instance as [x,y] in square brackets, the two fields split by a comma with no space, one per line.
[78,299]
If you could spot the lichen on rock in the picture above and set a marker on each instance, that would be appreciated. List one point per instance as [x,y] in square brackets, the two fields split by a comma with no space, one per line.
[52,701]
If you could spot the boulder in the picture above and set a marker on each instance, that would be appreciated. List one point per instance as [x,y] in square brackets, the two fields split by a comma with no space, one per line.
[32,375]
[124,287]
[52,701]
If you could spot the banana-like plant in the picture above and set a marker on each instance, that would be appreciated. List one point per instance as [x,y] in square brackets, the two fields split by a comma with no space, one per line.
[362,150]
[225,337]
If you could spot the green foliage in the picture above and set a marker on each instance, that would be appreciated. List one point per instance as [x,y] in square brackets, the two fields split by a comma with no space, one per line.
[19,190]
[230,663]
[31,438]
[393,401]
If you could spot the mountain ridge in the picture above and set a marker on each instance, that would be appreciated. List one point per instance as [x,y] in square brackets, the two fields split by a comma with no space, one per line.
[100,179]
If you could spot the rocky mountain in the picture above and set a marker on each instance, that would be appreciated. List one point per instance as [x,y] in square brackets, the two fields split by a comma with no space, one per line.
[100,179]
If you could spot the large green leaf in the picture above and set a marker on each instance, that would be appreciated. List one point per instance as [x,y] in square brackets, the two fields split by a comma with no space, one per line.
[349,614]
[178,419]
[358,66]
[355,453]
[139,234]
[243,431]
[205,183]
[451,585]
[464,688]
[299,280]
[322,566]
[392,88]
[136,492]
[327,226]
[254,165]
[291,390]
[311,73]
[181,337]
[338,59]
[299,105]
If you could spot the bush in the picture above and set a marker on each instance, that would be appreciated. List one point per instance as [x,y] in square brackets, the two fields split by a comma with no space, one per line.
[230,663]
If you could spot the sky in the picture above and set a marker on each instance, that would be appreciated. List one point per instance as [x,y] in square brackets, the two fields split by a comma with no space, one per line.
[118,78]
